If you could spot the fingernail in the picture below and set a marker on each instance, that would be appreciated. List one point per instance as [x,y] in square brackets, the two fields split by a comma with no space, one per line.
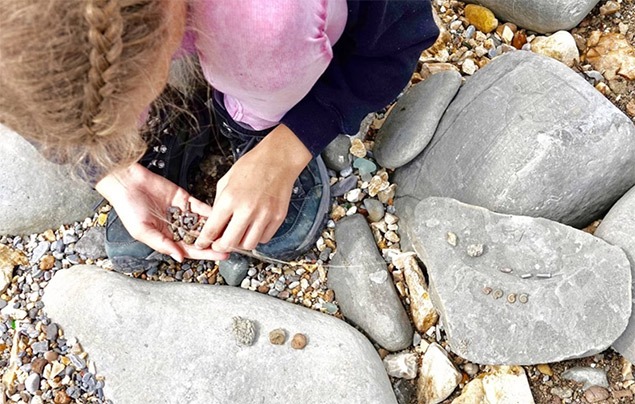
[176,258]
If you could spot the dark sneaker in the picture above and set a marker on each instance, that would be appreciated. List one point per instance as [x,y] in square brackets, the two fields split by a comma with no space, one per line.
[179,145]
[309,200]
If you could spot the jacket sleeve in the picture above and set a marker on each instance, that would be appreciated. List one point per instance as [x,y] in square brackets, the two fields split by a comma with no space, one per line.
[372,63]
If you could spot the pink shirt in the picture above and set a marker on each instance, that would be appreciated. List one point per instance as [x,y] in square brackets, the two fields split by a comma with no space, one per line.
[264,55]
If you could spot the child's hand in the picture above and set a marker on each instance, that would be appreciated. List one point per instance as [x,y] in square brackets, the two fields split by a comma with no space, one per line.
[141,199]
[253,197]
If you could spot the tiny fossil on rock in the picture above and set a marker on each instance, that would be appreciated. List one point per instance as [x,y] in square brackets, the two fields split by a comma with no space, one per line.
[497,294]
[511,298]
[505,270]
[451,239]
[487,290]
[475,250]
[523,298]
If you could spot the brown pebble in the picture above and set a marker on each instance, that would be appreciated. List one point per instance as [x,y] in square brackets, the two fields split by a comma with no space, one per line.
[263,288]
[382,353]
[520,39]
[61,397]
[38,365]
[278,336]
[299,341]
[329,296]
[51,356]
[47,262]
[595,394]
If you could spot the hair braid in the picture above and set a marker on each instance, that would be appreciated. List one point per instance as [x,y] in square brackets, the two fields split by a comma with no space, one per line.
[105,31]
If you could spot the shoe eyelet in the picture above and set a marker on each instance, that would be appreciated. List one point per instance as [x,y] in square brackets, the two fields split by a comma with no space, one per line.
[296,190]
[163,148]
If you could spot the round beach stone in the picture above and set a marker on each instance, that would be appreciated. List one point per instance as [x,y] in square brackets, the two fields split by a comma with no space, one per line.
[128,326]
[527,136]
[414,118]
[540,15]
[579,286]
[36,194]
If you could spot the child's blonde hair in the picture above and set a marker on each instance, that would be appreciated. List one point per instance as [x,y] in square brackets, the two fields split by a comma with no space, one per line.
[70,72]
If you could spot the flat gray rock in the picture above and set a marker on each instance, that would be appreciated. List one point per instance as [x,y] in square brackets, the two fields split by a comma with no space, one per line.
[179,343]
[540,15]
[363,287]
[414,118]
[618,228]
[527,136]
[234,269]
[93,243]
[576,301]
[36,194]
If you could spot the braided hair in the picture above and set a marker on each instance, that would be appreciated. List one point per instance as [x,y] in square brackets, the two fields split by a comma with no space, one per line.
[71,72]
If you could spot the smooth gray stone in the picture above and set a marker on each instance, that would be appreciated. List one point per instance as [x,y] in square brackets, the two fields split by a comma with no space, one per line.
[588,376]
[375,209]
[528,136]
[540,15]
[93,243]
[373,306]
[414,118]
[234,269]
[173,343]
[618,228]
[581,309]
[36,194]
[336,155]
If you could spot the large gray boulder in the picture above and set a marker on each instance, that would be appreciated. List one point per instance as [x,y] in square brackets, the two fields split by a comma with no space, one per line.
[540,15]
[177,343]
[364,288]
[36,194]
[527,136]
[414,118]
[618,228]
[520,290]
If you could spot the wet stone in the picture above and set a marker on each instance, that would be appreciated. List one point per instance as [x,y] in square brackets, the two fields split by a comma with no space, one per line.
[579,309]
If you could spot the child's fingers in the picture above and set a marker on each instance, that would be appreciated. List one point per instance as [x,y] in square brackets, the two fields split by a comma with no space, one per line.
[233,233]
[158,241]
[217,220]
[208,254]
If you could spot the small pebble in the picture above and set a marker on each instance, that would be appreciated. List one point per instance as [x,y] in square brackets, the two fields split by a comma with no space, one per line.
[299,341]
[32,383]
[277,336]
[475,250]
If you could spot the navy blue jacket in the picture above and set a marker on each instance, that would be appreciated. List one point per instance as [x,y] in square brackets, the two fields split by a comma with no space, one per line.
[372,63]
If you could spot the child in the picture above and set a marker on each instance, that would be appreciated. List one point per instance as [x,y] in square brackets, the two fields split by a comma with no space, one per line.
[76,75]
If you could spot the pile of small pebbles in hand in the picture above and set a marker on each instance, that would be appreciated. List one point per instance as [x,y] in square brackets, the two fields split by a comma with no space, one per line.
[184,225]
